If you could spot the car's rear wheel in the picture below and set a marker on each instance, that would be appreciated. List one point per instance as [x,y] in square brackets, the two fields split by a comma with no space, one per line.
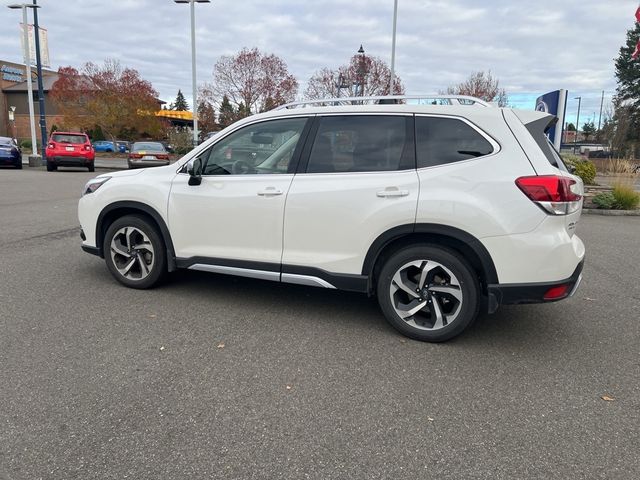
[92,167]
[134,252]
[51,167]
[428,293]
[19,165]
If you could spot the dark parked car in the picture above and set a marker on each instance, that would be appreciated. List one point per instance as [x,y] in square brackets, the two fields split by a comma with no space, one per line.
[148,154]
[10,153]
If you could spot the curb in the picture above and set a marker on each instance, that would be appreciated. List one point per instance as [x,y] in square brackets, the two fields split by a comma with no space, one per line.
[611,213]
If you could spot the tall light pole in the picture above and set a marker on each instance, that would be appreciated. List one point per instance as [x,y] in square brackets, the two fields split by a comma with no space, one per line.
[575,139]
[600,116]
[27,63]
[393,46]
[193,64]
[43,118]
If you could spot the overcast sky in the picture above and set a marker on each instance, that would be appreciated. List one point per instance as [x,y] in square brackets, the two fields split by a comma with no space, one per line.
[532,47]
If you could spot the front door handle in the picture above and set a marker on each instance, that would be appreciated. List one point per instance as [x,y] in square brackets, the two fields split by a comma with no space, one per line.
[392,192]
[270,192]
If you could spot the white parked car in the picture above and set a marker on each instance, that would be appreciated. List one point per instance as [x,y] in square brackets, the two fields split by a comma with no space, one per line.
[441,211]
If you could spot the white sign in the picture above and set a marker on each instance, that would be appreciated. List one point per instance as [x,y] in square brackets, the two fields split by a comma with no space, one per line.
[44,45]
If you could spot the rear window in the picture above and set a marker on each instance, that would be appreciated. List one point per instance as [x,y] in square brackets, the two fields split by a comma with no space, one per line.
[147,147]
[447,140]
[6,142]
[65,138]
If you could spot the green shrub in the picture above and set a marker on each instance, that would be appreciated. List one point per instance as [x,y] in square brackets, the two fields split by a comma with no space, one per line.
[626,198]
[570,159]
[605,200]
[586,170]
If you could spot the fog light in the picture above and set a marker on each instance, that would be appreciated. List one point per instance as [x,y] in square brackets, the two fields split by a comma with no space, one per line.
[557,292]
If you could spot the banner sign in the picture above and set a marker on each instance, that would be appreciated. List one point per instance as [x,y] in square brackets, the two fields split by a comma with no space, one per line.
[44,45]
[554,103]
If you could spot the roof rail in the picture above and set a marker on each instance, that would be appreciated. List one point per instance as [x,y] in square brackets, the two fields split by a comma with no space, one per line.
[385,99]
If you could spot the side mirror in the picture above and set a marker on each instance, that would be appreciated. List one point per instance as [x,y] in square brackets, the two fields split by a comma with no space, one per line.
[195,172]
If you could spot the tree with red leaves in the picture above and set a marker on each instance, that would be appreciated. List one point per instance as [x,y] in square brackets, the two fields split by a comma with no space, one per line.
[114,98]
[253,81]
[346,80]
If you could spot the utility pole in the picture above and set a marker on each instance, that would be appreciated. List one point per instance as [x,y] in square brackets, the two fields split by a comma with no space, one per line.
[601,104]
[575,139]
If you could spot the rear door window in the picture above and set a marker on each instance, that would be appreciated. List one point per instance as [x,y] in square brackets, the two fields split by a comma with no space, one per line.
[362,143]
[442,140]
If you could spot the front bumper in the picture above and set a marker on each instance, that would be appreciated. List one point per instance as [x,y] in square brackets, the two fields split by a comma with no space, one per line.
[512,294]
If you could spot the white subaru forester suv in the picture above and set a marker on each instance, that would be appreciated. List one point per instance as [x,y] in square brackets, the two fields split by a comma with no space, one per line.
[441,210]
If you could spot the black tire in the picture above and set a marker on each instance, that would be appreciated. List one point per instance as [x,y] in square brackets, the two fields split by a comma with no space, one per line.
[464,283]
[19,165]
[156,264]
[92,167]
[51,167]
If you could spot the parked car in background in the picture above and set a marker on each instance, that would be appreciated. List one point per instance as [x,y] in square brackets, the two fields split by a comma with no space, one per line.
[10,153]
[119,146]
[123,146]
[69,149]
[168,147]
[104,146]
[148,154]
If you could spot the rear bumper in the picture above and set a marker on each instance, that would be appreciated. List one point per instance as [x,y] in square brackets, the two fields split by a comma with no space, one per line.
[135,163]
[510,294]
[63,161]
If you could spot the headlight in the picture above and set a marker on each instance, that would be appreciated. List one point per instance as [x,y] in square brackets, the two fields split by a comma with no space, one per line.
[94,184]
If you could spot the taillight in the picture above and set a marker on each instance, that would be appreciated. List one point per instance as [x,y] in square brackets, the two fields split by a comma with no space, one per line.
[51,145]
[135,155]
[555,194]
[87,147]
[160,156]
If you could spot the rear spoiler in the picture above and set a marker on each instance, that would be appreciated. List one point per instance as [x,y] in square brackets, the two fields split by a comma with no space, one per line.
[538,124]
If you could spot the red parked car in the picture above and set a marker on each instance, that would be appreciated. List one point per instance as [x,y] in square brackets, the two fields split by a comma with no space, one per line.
[70,149]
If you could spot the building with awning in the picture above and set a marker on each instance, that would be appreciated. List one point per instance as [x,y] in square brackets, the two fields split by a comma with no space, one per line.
[178,118]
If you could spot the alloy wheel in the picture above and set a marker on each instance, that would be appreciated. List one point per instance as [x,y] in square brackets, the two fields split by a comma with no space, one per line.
[132,253]
[426,295]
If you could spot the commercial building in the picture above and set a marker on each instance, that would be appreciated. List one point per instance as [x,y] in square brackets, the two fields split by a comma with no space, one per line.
[14,95]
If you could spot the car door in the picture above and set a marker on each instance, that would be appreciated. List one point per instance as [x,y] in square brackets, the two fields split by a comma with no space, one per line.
[234,217]
[358,180]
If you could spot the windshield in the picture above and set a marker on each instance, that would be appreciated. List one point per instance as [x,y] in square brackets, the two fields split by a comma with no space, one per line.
[68,138]
[147,147]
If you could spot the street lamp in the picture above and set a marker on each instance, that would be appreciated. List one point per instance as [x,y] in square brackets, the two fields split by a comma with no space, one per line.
[193,63]
[575,139]
[27,63]
[361,70]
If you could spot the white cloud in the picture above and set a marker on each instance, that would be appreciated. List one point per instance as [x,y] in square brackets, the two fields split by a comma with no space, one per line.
[531,48]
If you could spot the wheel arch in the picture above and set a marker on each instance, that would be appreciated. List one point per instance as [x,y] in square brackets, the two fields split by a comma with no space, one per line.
[450,237]
[116,210]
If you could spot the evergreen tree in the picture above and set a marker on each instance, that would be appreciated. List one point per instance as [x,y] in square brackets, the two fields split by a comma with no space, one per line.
[227,114]
[588,129]
[180,103]
[627,99]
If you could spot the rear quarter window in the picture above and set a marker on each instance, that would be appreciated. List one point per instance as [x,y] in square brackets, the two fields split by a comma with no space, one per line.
[447,140]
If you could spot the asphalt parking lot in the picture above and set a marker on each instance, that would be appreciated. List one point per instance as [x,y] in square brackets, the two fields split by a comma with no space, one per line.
[215,377]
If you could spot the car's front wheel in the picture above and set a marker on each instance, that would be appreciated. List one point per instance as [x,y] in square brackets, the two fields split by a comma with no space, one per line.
[428,293]
[134,252]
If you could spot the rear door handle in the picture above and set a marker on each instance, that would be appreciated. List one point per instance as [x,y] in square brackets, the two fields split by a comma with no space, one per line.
[270,192]
[392,192]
